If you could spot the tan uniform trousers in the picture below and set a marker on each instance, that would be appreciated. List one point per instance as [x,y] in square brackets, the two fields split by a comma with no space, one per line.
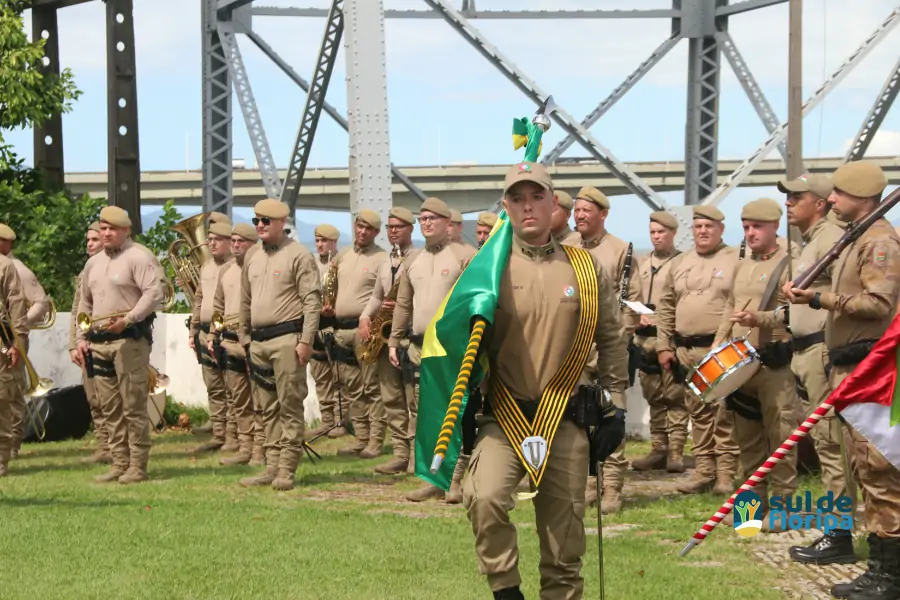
[240,397]
[217,394]
[282,407]
[125,399]
[668,413]
[8,386]
[712,425]
[396,404]
[809,368]
[878,479]
[326,392]
[489,496]
[359,385]
[777,394]
[100,432]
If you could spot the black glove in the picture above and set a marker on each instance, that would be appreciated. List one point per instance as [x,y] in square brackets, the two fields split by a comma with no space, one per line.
[608,436]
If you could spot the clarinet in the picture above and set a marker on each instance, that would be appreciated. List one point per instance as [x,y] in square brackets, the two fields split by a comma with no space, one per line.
[626,275]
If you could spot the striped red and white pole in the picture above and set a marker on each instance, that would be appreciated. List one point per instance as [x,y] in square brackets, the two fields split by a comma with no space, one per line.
[760,473]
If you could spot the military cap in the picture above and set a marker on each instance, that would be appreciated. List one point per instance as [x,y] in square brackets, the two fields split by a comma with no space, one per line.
[862,179]
[594,196]
[527,171]
[763,209]
[217,217]
[702,211]
[273,209]
[220,228]
[664,218]
[369,217]
[488,219]
[819,185]
[404,214]
[329,232]
[95,226]
[246,231]
[564,200]
[455,216]
[6,233]
[115,216]
[437,206]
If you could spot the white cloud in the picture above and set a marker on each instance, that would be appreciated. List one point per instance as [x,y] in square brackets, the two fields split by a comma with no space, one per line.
[886,143]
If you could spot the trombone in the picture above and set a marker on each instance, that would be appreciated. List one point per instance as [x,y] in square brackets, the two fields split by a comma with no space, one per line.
[85,321]
[35,386]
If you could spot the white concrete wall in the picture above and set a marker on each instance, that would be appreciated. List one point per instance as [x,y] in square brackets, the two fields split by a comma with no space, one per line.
[172,356]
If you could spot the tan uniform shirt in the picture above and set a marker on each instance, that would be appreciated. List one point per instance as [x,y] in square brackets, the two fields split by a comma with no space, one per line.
[567,236]
[424,284]
[818,240]
[280,283]
[387,279]
[204,302]
[536,320]
[33,291]
[653,271]
[694,295]
[73,321]
[611,252]
[751,278]
[13,300]
[865,287]
[356,275]
[129,278]
[228,291]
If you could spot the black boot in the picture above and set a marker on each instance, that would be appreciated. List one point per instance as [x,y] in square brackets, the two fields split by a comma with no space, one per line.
[512,593]
[867,579]
[887,579]
[833,548]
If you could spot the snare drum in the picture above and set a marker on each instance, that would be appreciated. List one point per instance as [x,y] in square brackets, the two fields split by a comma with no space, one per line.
[723,370]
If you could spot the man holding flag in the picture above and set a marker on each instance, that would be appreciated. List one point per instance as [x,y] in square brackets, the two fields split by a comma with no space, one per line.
[861,307]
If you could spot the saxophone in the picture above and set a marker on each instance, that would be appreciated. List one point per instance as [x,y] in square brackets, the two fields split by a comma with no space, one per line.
[380,326]
[330,283]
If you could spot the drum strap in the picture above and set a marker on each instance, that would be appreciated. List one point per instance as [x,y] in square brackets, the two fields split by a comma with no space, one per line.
[532,441]
[773,283]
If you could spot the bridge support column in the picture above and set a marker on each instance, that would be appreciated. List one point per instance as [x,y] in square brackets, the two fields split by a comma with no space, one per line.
[217,136]
[48,137]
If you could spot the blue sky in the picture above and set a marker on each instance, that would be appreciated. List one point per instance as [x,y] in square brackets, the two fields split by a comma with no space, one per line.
[448,105]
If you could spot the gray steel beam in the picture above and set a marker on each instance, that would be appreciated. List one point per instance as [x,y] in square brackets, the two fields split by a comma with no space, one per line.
[56,3]
[616,95]
[876,115]
[252,120]
[367,109]
[123,144]
[328,108]
[634,183]
[315,98]
[747,5]
[48,136]
[284,11]
[780,134]
[751,87]
[226,6]
[217,117]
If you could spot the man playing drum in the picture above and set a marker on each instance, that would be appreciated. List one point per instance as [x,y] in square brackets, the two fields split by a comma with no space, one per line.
[766,407]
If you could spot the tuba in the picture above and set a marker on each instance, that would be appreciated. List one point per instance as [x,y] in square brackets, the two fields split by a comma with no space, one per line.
[330,283]
[168,296]
[380,326]
[49,318]
[190,253]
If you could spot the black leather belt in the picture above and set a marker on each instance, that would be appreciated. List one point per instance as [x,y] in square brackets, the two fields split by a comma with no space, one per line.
[646,331]
[270,332]
[807,341]
[204,327]
[851,354]
[229,335]
[695,341]
[326,322]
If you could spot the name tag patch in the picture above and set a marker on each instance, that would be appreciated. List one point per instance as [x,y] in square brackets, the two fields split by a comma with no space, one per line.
[276,273]
[569,291]
[445,272]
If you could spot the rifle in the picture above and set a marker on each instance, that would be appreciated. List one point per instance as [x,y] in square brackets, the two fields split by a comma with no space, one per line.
[853,233]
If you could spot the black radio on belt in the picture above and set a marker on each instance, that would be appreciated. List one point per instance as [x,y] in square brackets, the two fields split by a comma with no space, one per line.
[89,363]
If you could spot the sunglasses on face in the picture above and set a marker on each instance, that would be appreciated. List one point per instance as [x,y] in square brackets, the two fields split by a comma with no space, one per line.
[264,220]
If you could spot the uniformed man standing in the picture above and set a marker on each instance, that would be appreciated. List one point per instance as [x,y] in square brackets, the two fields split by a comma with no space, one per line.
[668,413]
[559,226]
[617,259]
[766,408]
[14,311]
[357,271]
[807,209]
[393,391]
[279,316]
[860,307]
[219,242]
[425,282]
[124,280]
[530,341]
[455,226]
[38,305]
[319,367]
[229,356]
[693,300]
[101,454]
[483,227]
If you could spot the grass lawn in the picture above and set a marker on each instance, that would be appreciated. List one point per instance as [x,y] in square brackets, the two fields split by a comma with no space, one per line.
[191,532]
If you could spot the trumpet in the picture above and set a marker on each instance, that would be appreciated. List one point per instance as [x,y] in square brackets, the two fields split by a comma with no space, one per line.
[219,322]
[85,321]
[49,318]
[35,386]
